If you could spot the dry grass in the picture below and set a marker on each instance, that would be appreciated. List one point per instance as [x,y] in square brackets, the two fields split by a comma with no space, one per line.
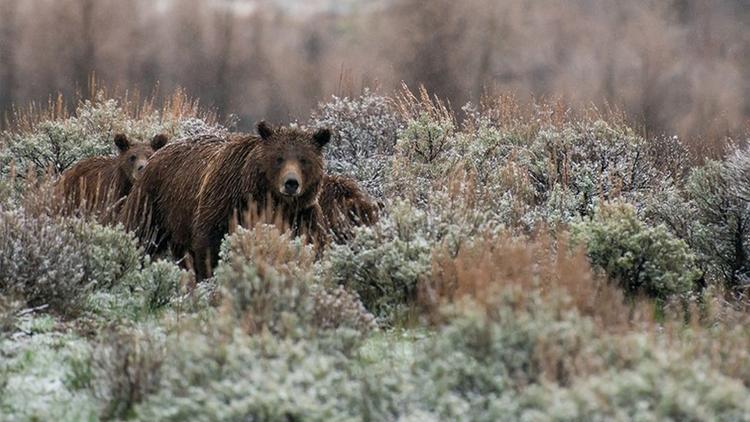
[176,106]
[411,106]
[519,269]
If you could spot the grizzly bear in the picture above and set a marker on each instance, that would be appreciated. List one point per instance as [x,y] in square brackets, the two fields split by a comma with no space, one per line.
[96,183]
[192,191]
[345,206]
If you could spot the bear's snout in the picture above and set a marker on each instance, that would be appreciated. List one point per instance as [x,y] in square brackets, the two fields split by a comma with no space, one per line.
[291,181]
[291,186]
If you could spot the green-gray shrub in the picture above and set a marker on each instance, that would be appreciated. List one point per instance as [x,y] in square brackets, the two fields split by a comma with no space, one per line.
[383,263]
[126,368]
[58,261]
[253,378]
[365,130]
[279,296]
[720,229]
[42,261]
[659,387]
[640,258]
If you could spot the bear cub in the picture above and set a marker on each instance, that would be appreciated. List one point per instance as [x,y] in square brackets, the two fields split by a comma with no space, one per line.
[96,183]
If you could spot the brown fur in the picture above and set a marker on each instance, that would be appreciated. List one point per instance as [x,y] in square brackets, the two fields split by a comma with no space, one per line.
[191,190]
[345,206]
[96,183]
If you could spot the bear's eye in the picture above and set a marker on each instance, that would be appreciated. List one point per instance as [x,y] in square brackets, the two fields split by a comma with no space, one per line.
[279,160]
[132,158]
[303,161]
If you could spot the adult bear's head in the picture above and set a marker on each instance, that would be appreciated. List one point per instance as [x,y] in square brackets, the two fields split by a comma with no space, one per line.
[291,161]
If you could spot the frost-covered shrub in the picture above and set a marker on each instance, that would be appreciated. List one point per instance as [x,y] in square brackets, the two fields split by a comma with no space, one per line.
[365,130]
[478,360]
[55,140]
[383,263]
[640,258]
[528,171]
[720,223]
[41,260]
[160,282]
[590,162]
[424,156]
[41,382]
[141,294]
[194,126]
[711,213]
[57,144]
[251,378]
[110,253]
[267,285]
[127,368]
[59,261]
[659,387]
[9,309]
[337,307]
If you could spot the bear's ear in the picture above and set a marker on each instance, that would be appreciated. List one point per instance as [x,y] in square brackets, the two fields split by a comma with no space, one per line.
[265,130]
[122,142]
[159,141]
[321,137]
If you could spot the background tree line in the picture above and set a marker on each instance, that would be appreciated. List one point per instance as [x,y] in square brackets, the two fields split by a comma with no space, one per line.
[678,66]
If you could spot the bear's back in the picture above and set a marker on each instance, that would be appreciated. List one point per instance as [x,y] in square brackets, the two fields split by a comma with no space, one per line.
[172,181]
[94,180]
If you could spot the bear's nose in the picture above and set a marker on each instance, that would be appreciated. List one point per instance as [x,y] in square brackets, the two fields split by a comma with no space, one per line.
[141,167]
[291,186]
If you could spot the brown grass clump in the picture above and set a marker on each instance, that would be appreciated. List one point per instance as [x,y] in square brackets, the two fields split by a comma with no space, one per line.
[522,270]
[135,106]
[412,106]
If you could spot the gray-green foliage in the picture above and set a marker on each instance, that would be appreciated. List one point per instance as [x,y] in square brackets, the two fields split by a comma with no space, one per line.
[41,260]
[58,143]
[384,263]
[711,213]
[126,368]
[250,378]
[721,223]
[41,379]
[424,154]
[60,261]
[641,258]
[282,299]
[142,293]
[365,131]
[659,387]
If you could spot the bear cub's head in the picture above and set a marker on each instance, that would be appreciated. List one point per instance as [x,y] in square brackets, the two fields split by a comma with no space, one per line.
[292,162]
[133,156]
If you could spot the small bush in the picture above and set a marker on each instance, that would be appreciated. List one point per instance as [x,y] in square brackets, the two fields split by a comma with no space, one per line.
[383,263]
[52,139]
[127,368]
[720,229]
[642,259]
[365,131]
[110,253]
[266,281]
[424,155]
[252,378]
[41,260]
[59,261]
